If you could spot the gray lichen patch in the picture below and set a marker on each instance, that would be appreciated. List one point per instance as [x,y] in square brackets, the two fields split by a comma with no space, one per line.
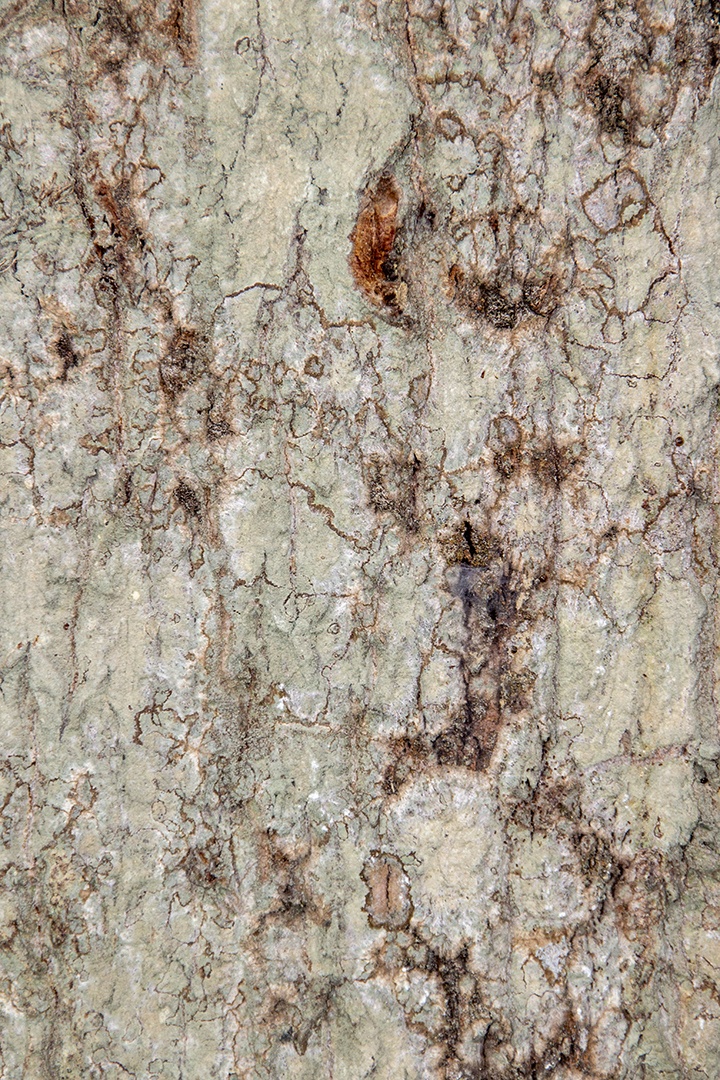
[358,431]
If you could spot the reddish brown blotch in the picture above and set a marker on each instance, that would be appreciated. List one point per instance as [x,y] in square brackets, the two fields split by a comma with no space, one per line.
[372,242]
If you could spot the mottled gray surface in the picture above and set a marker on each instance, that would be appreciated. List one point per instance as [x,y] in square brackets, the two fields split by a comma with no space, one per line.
[359,498]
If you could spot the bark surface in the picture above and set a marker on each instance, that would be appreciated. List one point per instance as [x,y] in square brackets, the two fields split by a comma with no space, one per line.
[359,455]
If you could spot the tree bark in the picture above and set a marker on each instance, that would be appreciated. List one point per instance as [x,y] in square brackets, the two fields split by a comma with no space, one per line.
[359,442]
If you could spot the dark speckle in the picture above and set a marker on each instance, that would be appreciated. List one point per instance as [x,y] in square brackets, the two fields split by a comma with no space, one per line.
[66,353]
[484,299]
[607,99]
[188,499]
[217,428]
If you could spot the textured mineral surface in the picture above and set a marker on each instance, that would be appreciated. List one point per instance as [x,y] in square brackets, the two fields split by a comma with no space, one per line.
[359,475]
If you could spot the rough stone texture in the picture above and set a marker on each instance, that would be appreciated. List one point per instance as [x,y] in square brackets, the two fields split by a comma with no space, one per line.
[359,476]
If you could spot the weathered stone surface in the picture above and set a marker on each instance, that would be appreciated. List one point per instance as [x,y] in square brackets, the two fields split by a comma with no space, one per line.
[359,450]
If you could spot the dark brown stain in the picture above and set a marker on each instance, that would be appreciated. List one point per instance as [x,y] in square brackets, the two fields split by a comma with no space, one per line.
[180,28]
[562,1048]
[203,866]
[489,611]
[217,428]
[622,48]
[188,499]
[608,99]
[294,1019]
[393,484]
[372,261]
[483,299]
[553,805]
[115,36]
[293,900]
[467,545]
[495,684]
[505,439]
[117,203]
[515,687]
[505,305]
[407,756]
[119,32]
[552,464]
[452,972]
[185,360]
[469,742]
[540,293]
[67,355]
[314,367]
[596,860]
[548,462]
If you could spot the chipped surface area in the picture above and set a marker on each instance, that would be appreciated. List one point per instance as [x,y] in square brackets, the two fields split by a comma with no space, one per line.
[358,431]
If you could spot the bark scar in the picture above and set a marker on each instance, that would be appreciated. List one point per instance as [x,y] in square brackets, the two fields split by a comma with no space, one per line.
[372,240]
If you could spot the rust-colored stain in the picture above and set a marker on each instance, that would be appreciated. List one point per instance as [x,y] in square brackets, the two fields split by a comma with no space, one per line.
[372,244]
[388,902]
